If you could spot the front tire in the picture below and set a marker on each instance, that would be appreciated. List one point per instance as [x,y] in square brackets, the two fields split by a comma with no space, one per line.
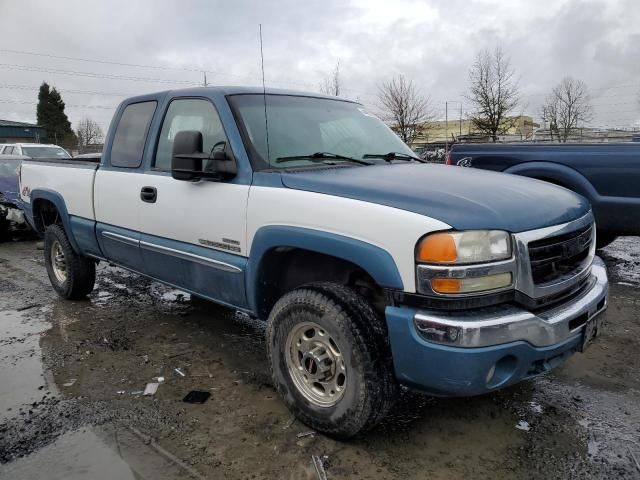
[330,359]
[72,276]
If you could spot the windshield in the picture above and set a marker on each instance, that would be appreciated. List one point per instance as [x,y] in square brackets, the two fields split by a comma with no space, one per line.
[45,152]
[305,125]
[9,168]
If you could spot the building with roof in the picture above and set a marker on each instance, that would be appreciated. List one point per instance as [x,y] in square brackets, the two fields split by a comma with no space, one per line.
[20,132]
[462,130]
[590,135]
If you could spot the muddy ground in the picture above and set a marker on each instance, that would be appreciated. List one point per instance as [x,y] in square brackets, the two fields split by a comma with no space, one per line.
[71,376]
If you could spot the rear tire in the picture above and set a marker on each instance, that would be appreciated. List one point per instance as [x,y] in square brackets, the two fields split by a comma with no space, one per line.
[604,238]
[72,276]
[330,359]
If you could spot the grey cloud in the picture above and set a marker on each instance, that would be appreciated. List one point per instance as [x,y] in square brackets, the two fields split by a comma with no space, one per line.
[433,43]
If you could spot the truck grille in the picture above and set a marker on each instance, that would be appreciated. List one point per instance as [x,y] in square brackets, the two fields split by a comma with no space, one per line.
[556,257]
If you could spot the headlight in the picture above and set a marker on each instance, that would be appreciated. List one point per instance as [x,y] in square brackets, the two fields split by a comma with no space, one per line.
[473,246]
[465,262]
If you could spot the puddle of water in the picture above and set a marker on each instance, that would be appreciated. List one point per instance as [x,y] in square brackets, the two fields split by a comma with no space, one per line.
[21,372]
[75,455]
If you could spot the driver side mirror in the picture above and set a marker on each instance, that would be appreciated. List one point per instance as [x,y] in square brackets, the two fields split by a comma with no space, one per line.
[187,159]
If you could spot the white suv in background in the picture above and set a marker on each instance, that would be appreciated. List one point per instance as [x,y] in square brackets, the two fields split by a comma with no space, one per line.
[35,150]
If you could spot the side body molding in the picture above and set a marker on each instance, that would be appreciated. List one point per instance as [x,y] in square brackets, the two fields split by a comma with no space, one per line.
[373,259]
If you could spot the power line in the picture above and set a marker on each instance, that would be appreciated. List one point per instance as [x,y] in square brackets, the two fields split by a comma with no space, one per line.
[122,64]
[105,107]
[57,71]
[192,68]
[66,91]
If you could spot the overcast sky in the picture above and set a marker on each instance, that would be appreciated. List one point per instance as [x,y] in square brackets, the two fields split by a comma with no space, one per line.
[431,42]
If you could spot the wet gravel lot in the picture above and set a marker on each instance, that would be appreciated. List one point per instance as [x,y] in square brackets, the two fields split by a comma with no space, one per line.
[72,376]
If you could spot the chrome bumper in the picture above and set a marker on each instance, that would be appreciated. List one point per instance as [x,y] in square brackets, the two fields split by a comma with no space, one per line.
[509,323]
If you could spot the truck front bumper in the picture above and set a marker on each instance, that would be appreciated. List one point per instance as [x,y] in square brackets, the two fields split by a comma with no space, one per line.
[494,347]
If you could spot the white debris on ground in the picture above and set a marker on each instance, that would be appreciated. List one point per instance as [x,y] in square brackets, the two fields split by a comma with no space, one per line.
[624,256]
[118,285]
[173,296]
[535,407]
[151,389]
[523,425]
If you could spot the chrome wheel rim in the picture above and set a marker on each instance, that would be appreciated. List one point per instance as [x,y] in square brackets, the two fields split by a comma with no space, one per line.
[316,364]
[58,262]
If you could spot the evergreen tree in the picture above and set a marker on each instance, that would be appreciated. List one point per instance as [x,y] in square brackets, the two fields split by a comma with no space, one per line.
[51,116]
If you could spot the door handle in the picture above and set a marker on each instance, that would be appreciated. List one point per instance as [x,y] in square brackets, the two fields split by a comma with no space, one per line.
[149,194]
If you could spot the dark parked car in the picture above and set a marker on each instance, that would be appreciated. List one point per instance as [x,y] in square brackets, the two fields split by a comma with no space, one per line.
[11,216]
[607,174]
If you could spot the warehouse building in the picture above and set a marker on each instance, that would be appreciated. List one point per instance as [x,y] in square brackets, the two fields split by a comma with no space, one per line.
[20,132]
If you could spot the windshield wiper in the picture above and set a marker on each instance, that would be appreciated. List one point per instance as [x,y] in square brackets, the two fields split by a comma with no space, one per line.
[394,156]
[321,157]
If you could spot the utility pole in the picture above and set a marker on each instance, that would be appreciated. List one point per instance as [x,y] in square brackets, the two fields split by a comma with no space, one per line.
[460,133]
[205,79]
[446,127]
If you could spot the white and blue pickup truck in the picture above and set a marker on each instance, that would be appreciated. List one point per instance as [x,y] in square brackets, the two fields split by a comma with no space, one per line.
[372,269]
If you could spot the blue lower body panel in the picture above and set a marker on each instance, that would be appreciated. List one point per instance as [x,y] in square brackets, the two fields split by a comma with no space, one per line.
[84,232]
[454,371]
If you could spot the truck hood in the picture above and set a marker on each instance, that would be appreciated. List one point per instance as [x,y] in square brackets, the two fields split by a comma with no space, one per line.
[464,198]
[9,188]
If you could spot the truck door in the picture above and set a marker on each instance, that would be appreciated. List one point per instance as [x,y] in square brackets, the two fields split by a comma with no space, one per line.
[117,188]
[194,233]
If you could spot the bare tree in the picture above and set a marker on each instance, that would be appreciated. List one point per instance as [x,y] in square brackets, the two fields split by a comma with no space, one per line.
[404,108]
[494,93]
[567,107]
[88,132]
[331,84]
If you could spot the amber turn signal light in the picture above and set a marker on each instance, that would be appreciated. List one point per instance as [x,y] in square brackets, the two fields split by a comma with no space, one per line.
[446,285]
[472,284]
[437,248]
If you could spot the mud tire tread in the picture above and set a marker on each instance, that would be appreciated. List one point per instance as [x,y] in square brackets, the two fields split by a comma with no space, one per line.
[367,336]
[81,271]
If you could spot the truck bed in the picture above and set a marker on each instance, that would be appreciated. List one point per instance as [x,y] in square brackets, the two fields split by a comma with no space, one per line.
[71,179]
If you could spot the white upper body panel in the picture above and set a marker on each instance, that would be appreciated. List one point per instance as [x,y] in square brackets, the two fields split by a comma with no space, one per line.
[212,211]
[74,184]
[117,195]
[394,230]
[202,213]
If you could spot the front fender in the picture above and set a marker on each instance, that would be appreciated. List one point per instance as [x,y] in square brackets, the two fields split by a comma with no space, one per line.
[559,174]
[376,261]
[58,201]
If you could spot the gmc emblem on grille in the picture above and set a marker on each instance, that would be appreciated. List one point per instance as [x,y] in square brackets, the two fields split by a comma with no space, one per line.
[575,246]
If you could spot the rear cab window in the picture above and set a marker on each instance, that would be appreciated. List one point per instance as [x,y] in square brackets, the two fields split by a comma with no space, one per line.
[131,134]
